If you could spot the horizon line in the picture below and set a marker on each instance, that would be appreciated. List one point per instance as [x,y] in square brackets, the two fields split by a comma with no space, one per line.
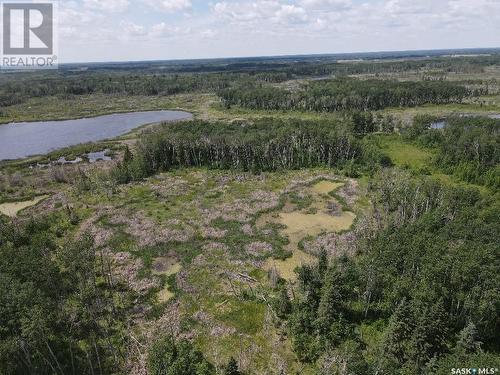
[326,54]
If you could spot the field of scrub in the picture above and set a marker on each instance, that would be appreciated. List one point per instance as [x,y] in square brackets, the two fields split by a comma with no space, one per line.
[309,220]
[203,251]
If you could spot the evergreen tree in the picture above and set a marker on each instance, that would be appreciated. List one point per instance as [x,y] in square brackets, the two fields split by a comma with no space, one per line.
[283,304]
[127,156]
[166,357]
[322,263]
[232,367]
[468,341]
[398,333]
[330,306]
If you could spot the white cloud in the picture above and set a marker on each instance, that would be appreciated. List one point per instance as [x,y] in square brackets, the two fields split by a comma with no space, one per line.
[208,34]
[290,14]
[256,27]
[260,12]
[132,29]
[334,5]
[170,5]
[488,9]
[107,5]
[245,12]
[162,30]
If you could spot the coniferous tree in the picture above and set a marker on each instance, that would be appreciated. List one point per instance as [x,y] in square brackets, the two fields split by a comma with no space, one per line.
[232,367]
[468,341]
[283,304]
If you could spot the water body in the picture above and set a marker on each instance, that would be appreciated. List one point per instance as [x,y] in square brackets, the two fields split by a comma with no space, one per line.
[438,125]
[22,139]
[94,157]
[442,123]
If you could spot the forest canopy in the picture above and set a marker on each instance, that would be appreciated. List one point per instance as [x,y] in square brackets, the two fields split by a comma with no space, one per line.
[346,94]
[264,145]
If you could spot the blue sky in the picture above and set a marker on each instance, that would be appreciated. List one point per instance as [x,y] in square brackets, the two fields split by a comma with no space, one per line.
[119,30]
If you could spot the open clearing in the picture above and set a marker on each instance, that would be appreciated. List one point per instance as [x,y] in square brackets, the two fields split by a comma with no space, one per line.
[167,267]
[325,187]
[304,223]
[13,208]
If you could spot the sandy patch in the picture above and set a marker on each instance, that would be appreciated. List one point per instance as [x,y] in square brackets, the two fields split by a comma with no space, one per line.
[13,208]
[325,187]
[326,217]
[166,266]
[165,295]
[300,225]
[286,268]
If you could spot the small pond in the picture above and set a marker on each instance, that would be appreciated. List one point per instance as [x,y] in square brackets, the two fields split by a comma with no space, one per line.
[442,123]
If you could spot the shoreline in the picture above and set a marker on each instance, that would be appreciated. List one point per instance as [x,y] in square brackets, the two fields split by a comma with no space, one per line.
[70,118]
[187,116]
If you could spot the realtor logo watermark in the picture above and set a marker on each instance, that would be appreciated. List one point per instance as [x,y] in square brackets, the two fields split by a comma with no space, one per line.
[29,35]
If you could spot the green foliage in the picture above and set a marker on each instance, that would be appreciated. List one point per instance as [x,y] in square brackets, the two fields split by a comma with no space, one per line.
[468,340]
[266,145]
[167,357]
[471,149]
[283,304]
[52,307]
[347,94]
[232,367]
[170,78]
[468,147]
[430,271]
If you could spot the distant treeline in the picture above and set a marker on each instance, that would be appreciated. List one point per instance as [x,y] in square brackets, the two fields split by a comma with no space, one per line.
[266,145]
[167,78]
[18,91]
[444,65]
[14,92]
[348,94]
[314,65]
[468,147]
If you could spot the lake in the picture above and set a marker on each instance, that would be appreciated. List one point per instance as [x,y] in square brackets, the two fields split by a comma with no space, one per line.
[22,139]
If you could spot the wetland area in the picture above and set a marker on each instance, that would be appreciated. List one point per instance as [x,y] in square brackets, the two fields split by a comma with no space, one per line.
[269,216]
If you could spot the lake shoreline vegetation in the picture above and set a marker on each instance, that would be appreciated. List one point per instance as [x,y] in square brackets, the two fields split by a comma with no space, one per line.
[311,218]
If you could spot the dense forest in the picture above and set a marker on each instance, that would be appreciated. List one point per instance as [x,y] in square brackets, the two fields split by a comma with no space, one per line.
[163,79]
[15,92]
[348,94]
[426,272]
[165,259]
[60,312]
[468,147]
[266,145]
[316,65]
